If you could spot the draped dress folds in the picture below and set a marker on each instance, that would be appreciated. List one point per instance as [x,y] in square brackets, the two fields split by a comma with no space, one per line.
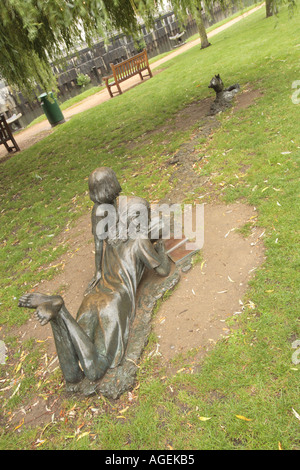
[108,310]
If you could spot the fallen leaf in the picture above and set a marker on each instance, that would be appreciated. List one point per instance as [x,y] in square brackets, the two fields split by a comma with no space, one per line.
[40,442]
[82,435]
[78,429]
[19,425]
[124,410]
[203,418]
[279,446]
[16,390]
[296,414]
[243,418]
[231,230]
[18,367]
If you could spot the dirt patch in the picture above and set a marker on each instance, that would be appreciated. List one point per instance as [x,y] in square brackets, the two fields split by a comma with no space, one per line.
[197,114]
[184,120]
[247,98]
[194,316]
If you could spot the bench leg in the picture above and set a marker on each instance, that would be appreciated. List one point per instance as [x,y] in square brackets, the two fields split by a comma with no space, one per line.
[108,88]
[110,92]
[17,148]
[119,88]
[8,148]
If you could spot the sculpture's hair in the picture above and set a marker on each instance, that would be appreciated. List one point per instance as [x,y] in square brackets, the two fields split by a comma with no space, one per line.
[129,208]
[104,186]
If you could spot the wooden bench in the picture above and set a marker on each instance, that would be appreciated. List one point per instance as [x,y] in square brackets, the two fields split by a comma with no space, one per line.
[127,69]
[6,136]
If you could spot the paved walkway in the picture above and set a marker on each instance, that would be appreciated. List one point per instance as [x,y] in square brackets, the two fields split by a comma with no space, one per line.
[33,134]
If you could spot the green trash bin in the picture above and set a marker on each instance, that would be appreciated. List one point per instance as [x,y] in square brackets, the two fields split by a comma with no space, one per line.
[51,109]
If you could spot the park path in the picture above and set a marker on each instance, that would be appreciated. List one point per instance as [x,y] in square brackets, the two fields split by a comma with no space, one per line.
[33,134]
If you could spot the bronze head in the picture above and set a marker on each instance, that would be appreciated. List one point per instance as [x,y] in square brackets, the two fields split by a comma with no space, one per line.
[103,186]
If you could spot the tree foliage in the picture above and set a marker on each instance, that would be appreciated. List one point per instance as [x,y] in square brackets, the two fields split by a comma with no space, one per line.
[35,32]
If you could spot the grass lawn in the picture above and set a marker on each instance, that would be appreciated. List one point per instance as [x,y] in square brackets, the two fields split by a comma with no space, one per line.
[248,386]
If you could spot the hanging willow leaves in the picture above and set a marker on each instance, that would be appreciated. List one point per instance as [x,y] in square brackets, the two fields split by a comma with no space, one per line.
[34,33]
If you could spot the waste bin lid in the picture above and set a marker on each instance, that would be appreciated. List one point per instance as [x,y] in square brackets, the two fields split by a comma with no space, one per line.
[43,95]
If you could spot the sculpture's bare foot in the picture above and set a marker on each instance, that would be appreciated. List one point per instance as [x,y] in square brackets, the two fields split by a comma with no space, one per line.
[47,306]
[48,310]
[33,300]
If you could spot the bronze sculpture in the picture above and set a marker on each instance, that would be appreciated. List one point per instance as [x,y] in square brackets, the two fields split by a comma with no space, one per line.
[224,96]
[97,339]
[104,188]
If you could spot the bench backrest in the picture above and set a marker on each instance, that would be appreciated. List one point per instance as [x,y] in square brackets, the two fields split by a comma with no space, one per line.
[131,66]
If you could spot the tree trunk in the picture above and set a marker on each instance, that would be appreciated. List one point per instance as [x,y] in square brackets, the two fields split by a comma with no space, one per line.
[202,31]
[269,8]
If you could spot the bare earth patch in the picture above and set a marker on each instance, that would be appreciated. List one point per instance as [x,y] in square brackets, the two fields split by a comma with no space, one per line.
[194,316]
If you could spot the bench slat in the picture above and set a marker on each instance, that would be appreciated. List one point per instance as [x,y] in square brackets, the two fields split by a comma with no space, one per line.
[127,69]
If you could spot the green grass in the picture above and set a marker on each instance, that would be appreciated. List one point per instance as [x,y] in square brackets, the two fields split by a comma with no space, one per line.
[249,374]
